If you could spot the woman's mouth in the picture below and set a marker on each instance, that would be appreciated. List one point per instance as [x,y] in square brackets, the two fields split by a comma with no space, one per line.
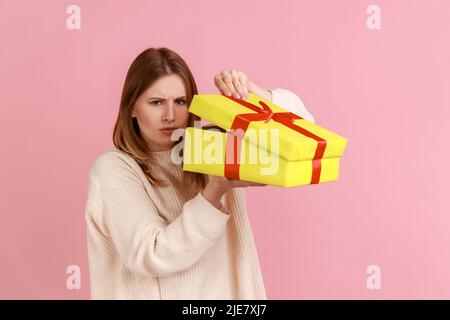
[167,131]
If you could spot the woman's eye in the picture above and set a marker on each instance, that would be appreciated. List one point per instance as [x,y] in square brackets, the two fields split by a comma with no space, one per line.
[155,102]
[181,101]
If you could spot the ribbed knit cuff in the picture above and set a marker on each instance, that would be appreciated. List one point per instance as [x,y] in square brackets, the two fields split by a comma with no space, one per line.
[208,210]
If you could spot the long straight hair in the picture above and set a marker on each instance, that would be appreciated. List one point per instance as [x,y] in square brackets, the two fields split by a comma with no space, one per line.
[148,67]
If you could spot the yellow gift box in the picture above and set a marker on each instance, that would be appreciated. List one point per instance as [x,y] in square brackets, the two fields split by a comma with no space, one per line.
[256,140]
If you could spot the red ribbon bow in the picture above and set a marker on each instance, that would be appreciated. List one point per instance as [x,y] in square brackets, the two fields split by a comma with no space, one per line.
[242,121]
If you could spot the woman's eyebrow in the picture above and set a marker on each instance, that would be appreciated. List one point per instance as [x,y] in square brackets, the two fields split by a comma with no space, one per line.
[165,99]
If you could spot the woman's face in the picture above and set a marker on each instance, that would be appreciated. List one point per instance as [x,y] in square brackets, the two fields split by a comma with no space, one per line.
[162,105]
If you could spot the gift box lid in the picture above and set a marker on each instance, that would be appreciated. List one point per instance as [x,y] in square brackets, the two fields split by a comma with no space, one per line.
[295,138]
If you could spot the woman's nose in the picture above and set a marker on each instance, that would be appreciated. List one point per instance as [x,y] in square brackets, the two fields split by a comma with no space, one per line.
[169,115]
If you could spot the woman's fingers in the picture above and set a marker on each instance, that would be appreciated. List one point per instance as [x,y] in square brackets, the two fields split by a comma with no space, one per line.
[223,182]
[243,183]
[237,84]
[245,83]
[229,82]
[221,85]
[233,83]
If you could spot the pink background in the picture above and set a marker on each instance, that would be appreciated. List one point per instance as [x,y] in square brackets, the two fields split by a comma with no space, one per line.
[386,90]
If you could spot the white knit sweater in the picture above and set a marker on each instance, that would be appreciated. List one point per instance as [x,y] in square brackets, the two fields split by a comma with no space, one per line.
[148,242]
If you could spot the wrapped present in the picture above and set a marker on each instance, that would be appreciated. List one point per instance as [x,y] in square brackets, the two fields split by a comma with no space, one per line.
[256,140]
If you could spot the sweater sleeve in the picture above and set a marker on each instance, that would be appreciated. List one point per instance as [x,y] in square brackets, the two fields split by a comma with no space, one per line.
[291,102]
[144,242]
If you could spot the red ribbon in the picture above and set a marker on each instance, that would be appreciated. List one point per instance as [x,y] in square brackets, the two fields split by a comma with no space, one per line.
[242,121]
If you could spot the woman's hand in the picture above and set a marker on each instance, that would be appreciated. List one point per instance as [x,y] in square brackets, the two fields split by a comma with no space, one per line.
[236,83]
[217,186]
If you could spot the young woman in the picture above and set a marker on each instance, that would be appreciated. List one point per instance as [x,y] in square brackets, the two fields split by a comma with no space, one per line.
[155,231]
